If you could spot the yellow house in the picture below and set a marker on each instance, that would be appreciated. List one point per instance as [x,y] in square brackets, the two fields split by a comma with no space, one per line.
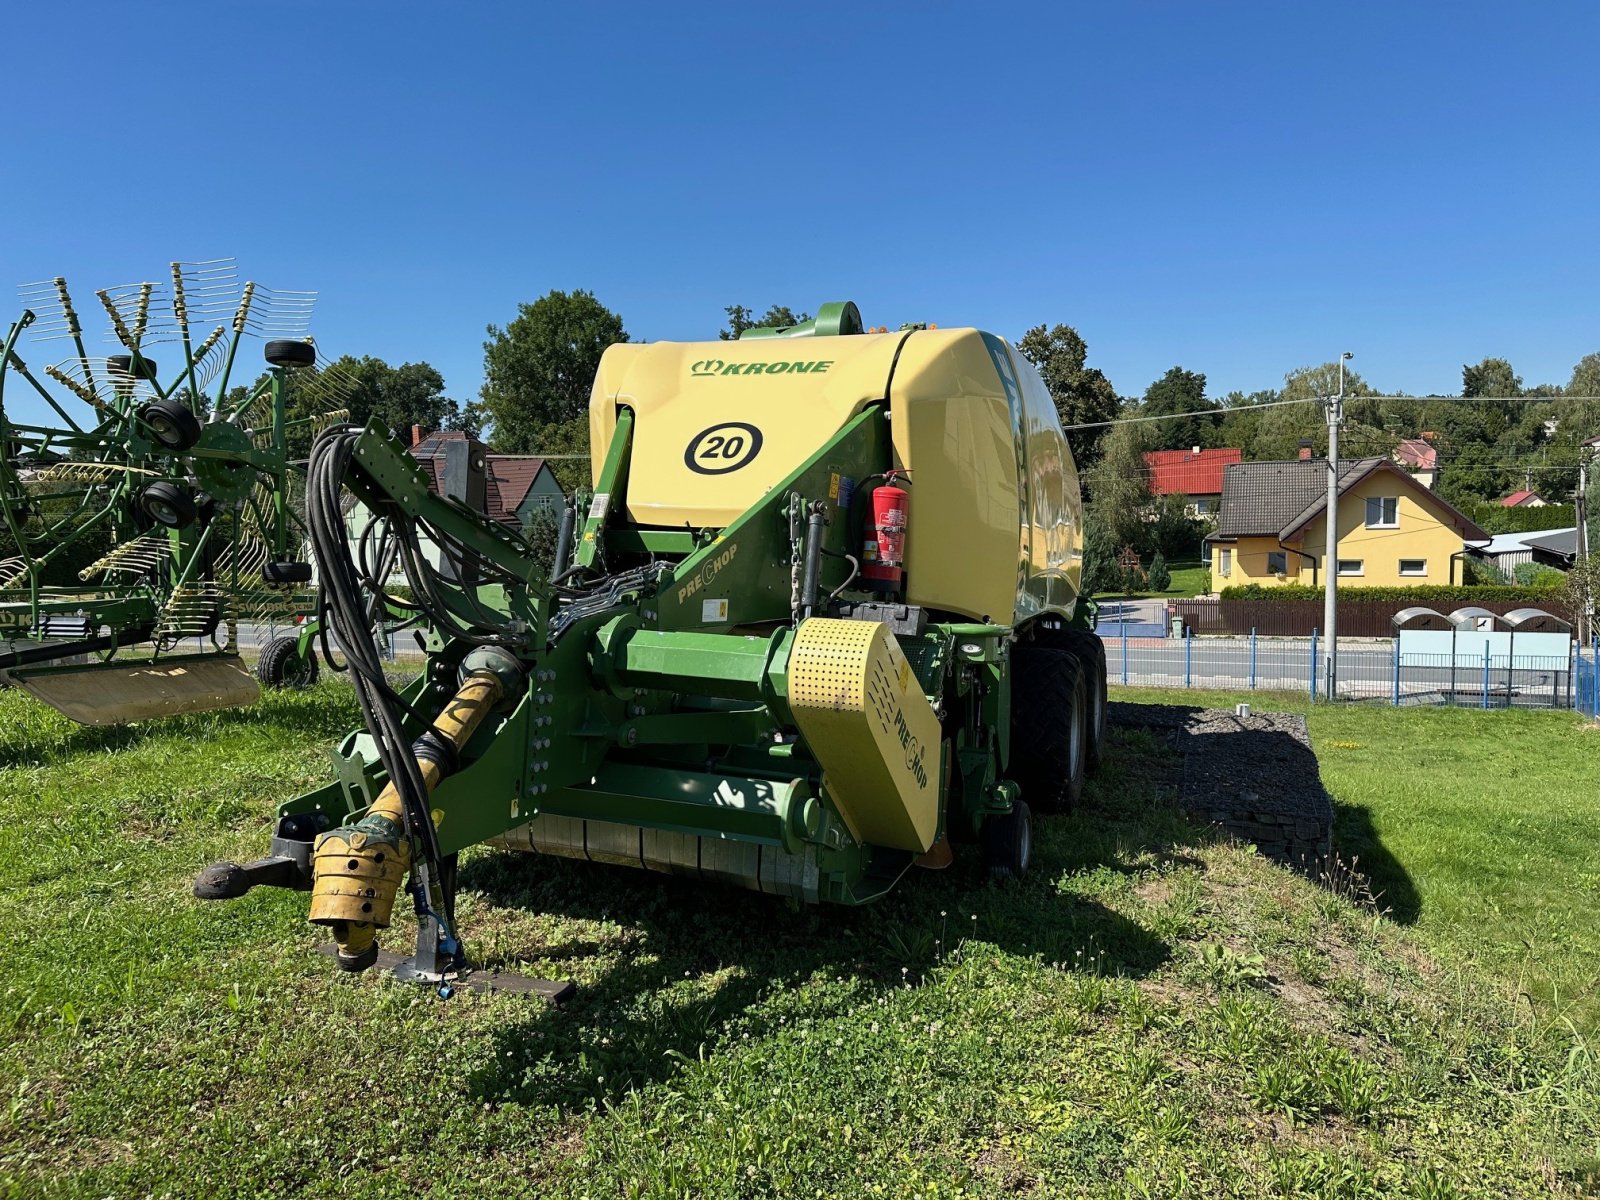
[1392,530]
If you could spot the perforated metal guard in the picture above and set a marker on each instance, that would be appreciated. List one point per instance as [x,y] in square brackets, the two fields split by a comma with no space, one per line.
[864,715]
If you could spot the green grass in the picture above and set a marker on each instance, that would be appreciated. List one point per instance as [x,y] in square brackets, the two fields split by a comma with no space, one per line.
[1186,581]
[1481,829]
[1152,1013]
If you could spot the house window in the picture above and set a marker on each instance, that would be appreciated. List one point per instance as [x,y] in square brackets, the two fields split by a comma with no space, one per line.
[1352,566]
[1413,566]
[1224,562]
[1383,512]
[1277,562]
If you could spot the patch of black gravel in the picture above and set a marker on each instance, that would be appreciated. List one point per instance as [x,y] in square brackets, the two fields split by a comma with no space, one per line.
[1255,776]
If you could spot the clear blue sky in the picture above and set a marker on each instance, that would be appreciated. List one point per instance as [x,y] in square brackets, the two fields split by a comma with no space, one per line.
[1237,188]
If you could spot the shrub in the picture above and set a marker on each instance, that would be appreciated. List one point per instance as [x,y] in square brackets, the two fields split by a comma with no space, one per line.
[1531,574]
[1158,579]
[1432,595]
[1496,518]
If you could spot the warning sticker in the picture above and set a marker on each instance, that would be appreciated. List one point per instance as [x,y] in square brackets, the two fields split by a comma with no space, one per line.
[598,506]
[847,491]
[713,611]
[833,486]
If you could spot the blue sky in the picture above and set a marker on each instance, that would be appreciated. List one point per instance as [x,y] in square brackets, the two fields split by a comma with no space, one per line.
[1237,188]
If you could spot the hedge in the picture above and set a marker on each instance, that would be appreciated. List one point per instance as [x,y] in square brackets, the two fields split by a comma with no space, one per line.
[1431,595]
[1497,518]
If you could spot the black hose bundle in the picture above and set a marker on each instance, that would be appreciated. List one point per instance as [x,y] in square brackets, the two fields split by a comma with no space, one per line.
[342,605]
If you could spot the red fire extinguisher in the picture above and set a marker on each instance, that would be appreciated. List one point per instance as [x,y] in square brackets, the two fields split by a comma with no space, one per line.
[883,557]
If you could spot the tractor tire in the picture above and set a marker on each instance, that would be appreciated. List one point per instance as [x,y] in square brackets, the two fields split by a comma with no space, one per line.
[1048,728]
[168,505]
[290,353]
[286,572]
[171,423]
[122,364]
[281,666]
[1091,652]
[1008,842]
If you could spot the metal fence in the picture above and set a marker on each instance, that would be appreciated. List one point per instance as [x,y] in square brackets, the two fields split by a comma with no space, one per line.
[1368,670]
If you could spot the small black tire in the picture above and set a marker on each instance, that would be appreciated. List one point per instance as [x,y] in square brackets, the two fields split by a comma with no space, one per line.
[1048,733]
[171,423]
[290,353]
[281,666]
[286,572]
[122,364]
[168,505]
[1008,842]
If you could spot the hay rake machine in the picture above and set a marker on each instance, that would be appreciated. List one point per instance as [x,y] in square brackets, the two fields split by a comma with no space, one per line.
[147,514]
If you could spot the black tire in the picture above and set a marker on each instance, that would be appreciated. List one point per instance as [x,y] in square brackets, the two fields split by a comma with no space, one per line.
[290,353]
[1048,731]
[122,364]
[1091,652]
[167,504]
[280,664]
[1008,842]
[286,572]
[171,423]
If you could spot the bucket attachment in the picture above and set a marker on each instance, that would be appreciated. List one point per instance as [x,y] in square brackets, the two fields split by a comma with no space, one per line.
[115,693]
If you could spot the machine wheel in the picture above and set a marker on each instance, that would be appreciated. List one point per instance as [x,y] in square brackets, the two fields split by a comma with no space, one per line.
[122,364]
[1049,735]
[286,572]
[1008,842]
[1091,652]
[290,353]
[172,424]
[167,504]
[281,666]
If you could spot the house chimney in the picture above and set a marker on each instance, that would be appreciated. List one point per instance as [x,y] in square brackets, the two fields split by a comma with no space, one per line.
[1305,449]
[416,435]
[1195,452]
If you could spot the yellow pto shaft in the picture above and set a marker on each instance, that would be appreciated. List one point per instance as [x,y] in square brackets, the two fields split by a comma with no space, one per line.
[357,869]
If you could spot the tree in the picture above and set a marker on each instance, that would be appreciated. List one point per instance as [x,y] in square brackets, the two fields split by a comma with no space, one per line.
[1175,393]
[1120,485]
[400,397]
[540,368]
[1491,377]
[1101,572]
[740,318]
[1158,578]
[1281,429]
[1585,377]
[1082,394]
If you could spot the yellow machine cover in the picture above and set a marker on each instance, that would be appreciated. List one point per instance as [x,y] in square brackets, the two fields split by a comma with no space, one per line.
[995,527]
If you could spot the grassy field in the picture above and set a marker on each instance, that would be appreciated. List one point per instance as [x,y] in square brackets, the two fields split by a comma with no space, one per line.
[1480,829]
[1152,1013]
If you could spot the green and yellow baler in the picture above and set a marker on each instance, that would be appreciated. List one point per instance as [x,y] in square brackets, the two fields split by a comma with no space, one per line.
[819,621]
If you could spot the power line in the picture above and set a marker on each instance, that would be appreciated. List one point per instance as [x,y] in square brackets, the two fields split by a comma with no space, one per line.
[1221,413]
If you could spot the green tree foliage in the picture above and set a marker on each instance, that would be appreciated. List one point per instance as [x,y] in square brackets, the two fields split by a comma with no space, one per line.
[1491,377]
[1176,393]
[1100,571]
[1120,484]
[540,368]
[740,318]
[1158,578]
[1082,394]
[1585,379]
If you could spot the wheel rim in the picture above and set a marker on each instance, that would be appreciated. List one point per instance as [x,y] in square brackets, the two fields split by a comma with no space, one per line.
[162,513]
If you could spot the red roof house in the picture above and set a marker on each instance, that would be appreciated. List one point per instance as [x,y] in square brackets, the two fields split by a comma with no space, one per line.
[1523,499]
[1194,473]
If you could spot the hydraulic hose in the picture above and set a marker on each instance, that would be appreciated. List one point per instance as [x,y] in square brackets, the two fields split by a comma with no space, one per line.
[357,869]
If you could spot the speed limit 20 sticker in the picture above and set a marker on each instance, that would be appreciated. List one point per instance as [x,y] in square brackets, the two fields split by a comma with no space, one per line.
[723,448]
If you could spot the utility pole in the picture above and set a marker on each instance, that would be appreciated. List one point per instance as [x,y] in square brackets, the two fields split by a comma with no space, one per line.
[1330,553]
[1580,511]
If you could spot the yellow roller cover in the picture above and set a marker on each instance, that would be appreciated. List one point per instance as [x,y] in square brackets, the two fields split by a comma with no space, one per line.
[863,714]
